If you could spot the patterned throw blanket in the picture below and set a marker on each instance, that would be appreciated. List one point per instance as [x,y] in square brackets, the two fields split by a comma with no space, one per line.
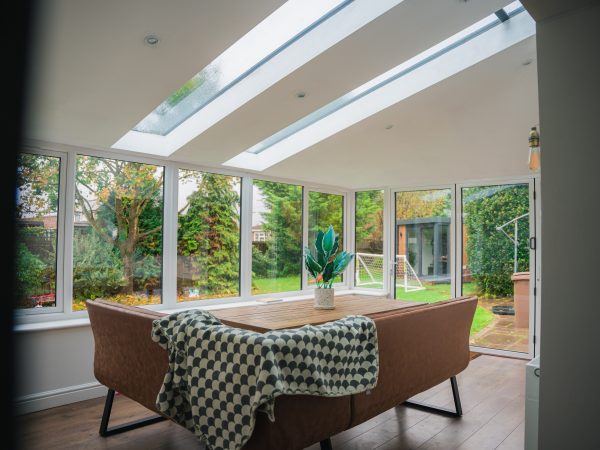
[220,376]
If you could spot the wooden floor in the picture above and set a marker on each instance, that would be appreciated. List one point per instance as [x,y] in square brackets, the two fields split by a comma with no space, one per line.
[491,389]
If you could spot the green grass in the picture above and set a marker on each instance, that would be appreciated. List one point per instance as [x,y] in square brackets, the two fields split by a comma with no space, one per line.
[482,319]
[283,284]
[269,285]
[432,293]
[436,292]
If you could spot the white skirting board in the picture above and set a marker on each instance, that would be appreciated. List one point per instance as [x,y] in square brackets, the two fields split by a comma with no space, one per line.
[58,397]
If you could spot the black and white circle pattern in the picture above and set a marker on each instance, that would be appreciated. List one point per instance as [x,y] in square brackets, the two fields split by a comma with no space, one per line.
[220,376]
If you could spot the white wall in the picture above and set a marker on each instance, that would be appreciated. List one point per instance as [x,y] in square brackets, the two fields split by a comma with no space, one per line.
[54,367]
[569,78]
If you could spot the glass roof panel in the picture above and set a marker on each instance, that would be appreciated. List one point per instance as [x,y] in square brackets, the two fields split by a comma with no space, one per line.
[465,48]
[284,26]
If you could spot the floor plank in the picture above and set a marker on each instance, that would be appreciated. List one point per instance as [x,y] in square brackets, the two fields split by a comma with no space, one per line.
[516,439]
[491,435]
[491,390]
[459,431]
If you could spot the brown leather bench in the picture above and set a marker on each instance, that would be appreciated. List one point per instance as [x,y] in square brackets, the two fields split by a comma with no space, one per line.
[419,348]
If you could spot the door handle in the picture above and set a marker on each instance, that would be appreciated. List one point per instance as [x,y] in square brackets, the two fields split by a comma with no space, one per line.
[532,243]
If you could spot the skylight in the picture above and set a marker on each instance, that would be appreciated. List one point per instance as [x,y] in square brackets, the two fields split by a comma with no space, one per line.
[290,37]
[466,48]
[259,44]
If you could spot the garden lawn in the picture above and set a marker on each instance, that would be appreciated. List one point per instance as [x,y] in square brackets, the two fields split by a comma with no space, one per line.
[436,292]
[270,285]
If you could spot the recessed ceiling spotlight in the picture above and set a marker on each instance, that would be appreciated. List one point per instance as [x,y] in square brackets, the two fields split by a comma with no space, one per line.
[527,62]
[151,40]
[389,127]
[301,94]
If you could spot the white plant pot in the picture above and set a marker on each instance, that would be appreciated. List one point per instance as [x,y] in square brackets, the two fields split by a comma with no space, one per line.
[324,298]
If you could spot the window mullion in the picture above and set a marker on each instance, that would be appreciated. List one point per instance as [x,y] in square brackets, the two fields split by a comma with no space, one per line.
[305,243]
[169,293]
[246,238]
[67,218]
[349,220]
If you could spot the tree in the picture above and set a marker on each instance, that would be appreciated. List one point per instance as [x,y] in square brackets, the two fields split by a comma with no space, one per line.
[97,266]
[113,196]
[283,222]
[490,253]
[29,271]
[37,185]
[324,210]
[209,233]
[369,221]
[121,201]
[37,200]
[417,204]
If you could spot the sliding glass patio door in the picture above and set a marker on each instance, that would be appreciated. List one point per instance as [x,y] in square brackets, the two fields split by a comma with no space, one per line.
[497,261]
[470,239]
[422,257]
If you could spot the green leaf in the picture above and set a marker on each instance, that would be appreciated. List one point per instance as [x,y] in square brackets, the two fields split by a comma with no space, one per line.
[311,265]
[319,241]
[321,258]
[339,258]
[342,261]
[328,272]
[328,240]
[336,245]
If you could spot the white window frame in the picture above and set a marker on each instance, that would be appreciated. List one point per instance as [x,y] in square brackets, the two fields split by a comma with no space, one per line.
[386,236]
[68,158]
[534,231]
[392,238]
[169,300]
[534,181]
[348,211]
[247,294]
[69,153]
[59,306]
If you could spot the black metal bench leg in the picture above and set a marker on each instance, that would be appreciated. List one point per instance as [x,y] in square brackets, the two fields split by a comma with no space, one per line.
[326,444]
[456,396]
[105,431]
[457,412]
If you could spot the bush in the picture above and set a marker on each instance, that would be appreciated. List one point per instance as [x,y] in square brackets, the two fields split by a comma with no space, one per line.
[490,253]
[260,263]
[95,282]
[147,271]
[97,270]
[30,274]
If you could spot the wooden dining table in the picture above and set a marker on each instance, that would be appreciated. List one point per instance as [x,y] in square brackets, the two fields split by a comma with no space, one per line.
[297,313]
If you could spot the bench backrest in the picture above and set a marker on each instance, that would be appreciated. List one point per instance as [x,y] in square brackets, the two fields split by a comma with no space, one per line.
[418,349]
[125,358]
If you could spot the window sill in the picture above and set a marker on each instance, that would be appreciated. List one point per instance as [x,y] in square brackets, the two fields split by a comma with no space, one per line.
[51,325]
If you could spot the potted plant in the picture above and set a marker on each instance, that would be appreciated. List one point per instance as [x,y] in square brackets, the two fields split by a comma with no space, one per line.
[324,265]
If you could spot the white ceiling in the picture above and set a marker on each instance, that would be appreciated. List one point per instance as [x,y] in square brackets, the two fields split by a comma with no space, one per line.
[94,79]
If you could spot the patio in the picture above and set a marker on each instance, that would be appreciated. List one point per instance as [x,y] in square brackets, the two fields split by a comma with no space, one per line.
[490,330]
[501,333]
